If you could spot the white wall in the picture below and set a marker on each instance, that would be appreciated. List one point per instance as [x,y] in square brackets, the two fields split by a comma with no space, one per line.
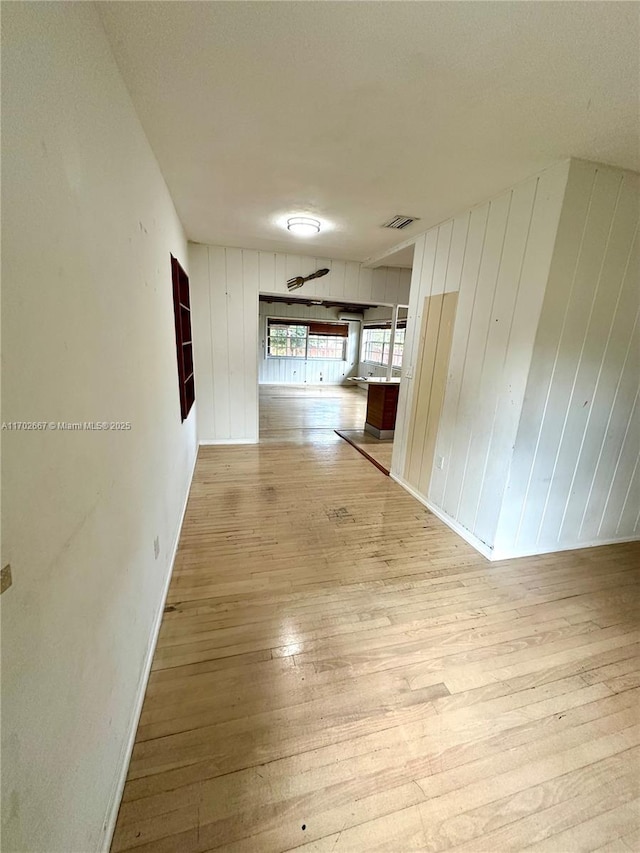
[224,320]
[88,227]
[497,256]
[575,478]
[315,371]
[384,313]
[225,285]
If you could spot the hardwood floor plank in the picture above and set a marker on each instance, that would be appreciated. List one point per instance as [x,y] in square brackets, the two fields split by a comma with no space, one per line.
[597,830]
[333,657]
[543,826]
[412,750]
[366,770]
[619,845]
[632,839]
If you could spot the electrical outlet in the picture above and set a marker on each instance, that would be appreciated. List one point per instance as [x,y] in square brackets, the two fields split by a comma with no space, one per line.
[5,578]
[440,462]
[156,547]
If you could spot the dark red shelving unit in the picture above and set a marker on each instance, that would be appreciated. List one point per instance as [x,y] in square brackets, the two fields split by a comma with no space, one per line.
[184,343]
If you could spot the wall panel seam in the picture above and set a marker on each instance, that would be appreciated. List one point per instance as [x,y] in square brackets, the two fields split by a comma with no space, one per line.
[417,368]
[606,431]
[466,347]
[450,445]
[617,465]
[626,497]
[504,362]
[435,355]
[433,367]
[600,371]
[555,363]
[576,373]
[484,351]
[575,378]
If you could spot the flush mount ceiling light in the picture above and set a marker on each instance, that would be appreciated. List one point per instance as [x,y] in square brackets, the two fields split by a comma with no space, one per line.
[304,226]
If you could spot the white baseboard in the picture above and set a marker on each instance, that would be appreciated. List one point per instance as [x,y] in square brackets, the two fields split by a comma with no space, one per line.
[496,554]
[476,543]
[554,548]
[109,824]
[227,441]
[336,384]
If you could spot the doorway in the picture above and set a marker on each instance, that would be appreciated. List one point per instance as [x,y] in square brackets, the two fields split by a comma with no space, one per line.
[309,351]
[382,349]
[317,359]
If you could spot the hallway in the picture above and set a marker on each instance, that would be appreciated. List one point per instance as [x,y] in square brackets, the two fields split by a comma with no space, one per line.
[223,627]
[338,671]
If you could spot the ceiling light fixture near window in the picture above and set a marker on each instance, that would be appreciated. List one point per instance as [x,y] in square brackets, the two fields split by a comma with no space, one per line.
[304,226]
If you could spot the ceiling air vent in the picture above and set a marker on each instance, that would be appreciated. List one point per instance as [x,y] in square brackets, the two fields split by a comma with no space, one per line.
[399,221]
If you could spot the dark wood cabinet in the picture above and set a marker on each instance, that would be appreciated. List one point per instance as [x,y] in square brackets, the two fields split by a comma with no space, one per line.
[184,343]
[382,405]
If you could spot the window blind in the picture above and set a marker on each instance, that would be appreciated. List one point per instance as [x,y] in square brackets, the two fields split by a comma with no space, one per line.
[315,327]
[402,324]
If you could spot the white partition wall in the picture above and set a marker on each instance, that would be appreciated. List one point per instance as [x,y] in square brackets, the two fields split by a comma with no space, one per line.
[574,478]
[536,445]
[225,284]
[496,257]
[224,300]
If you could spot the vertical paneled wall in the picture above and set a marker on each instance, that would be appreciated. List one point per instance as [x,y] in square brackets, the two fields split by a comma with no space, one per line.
[497,258]
[277,371]
[347,279]
[224,298]
[575,478]
[430,378]
[225,285]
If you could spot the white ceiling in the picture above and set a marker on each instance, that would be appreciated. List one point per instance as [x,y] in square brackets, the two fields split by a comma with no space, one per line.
[353,112]
[402,257]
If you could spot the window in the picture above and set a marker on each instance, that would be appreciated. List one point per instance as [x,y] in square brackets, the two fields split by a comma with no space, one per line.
[311,340]
[376,342]
[325,346]
[287,341]
[398,347]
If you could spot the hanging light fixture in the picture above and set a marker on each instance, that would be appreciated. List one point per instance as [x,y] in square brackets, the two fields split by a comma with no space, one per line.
[303,225]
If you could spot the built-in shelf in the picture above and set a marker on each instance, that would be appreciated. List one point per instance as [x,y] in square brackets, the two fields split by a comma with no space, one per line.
[184,346]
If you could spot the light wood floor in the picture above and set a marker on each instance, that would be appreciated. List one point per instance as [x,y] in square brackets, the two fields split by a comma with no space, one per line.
[381,451]
[337,671]
[310,412]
